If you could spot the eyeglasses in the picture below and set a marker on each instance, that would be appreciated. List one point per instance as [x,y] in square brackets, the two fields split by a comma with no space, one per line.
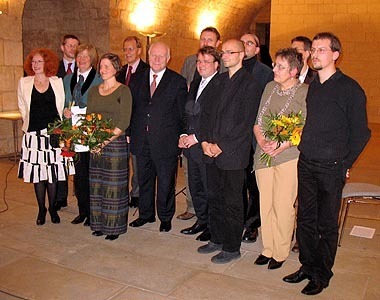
[278,66]
[204,62]
[128,49]
[228,52]
[37,62]
[319,50]
[72,46]
[249,43]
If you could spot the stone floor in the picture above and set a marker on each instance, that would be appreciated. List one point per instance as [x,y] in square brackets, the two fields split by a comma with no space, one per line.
[66,262]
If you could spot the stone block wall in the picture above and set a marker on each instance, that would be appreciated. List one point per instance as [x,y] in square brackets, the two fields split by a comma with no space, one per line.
[355,22]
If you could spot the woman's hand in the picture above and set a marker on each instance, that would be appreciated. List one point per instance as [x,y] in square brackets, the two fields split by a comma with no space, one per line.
[67,113]
[278,148]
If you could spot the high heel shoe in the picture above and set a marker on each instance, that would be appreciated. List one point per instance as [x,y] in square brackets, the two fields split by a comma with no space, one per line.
[54,216]
[112,237]
[41,218]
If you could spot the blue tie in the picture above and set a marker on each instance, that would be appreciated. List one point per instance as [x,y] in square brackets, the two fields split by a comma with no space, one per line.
[77,93]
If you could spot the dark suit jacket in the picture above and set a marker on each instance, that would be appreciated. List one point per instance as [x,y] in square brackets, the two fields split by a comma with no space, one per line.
[310,75]
[164,114]
[193,115]
[141,67]
[61,69]
[260,72]
[228,118]
[134,82]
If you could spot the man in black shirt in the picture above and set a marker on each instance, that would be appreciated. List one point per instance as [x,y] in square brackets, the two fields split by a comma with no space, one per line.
[335,133]
[226,136]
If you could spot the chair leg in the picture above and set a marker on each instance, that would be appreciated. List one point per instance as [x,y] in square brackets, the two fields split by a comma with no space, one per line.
[344,220]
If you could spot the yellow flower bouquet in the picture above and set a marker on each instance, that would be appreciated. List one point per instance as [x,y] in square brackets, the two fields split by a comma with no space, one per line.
[282,128]
[91,130]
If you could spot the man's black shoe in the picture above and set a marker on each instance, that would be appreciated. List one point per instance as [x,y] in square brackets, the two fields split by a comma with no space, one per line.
[165,226]
[140,222]
[250,235]
[313,288]
[296,277]
[194,229]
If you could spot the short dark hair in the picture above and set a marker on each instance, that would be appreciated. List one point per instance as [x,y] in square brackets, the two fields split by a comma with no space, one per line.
[212,29]
[133,38]
[335,44]
[69,36]
[303,39]
[293,58]
[210,51]
[114,59]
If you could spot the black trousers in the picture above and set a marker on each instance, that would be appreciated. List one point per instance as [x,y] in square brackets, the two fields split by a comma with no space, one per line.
[151,168]
[226,206]
[82,184]
[320,188]
[62,192]
[198,188]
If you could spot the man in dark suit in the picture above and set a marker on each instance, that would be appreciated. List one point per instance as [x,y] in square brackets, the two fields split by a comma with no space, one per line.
[130,75]
[66,66]
[226,136]
[262,74]
[158,120]
[68,47]
[208,61]
[303,45]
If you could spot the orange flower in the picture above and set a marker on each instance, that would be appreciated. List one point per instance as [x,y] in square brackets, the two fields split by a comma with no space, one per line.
[89,118]
[99,116]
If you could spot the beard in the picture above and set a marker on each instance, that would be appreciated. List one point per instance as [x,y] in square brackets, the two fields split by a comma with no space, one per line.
[317,66]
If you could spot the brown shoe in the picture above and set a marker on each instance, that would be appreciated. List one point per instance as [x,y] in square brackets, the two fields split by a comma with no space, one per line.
[185,216]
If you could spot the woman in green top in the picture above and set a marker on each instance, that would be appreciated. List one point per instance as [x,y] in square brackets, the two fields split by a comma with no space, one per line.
[277,183]
[109,172]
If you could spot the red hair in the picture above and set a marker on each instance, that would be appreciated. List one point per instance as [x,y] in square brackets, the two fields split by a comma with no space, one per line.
[51,61]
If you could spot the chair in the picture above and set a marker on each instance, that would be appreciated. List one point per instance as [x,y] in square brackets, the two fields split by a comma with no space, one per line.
[359,193]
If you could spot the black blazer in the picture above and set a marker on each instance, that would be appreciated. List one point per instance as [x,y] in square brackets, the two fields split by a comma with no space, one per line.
[228,118]
[163,115]
[141,67]
[61,69]
[263,74]
[134,82]
[193,115]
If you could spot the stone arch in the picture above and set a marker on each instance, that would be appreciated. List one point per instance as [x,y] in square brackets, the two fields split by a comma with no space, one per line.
[44,23]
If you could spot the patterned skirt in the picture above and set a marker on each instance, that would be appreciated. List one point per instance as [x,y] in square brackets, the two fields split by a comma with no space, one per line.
[40,161]
[109,188]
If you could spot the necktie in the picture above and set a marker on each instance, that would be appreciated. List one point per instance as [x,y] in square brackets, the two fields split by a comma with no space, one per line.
[69,71]
[77,92]
[129,73]
[153,86]
[202,85]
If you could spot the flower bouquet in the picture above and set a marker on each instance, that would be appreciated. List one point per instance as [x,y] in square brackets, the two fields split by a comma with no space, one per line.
[282,128]
[91,130]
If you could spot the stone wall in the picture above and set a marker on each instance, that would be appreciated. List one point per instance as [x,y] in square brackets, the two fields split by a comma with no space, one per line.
[355,22]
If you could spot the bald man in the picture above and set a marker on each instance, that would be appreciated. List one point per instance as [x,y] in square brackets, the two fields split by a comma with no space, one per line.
[226,136]
[158,120]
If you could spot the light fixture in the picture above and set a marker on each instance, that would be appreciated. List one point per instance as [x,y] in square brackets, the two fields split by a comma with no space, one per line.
[144,17]
[205,19]
[4,7]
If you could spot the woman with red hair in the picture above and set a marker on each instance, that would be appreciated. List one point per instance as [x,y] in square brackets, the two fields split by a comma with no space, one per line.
[41,98]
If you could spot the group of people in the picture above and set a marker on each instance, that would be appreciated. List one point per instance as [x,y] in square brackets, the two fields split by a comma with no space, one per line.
[214,113]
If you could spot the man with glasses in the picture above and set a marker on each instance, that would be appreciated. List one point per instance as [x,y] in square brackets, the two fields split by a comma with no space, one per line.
[262,74]
[210,36]
[226,136]
[335,133]
[208,61]
[130,75]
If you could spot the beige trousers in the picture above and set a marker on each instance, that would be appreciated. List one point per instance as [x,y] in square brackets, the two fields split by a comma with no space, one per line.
[278,192]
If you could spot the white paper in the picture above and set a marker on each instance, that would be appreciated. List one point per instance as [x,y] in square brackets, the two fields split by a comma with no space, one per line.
[364,232]
[75,120]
